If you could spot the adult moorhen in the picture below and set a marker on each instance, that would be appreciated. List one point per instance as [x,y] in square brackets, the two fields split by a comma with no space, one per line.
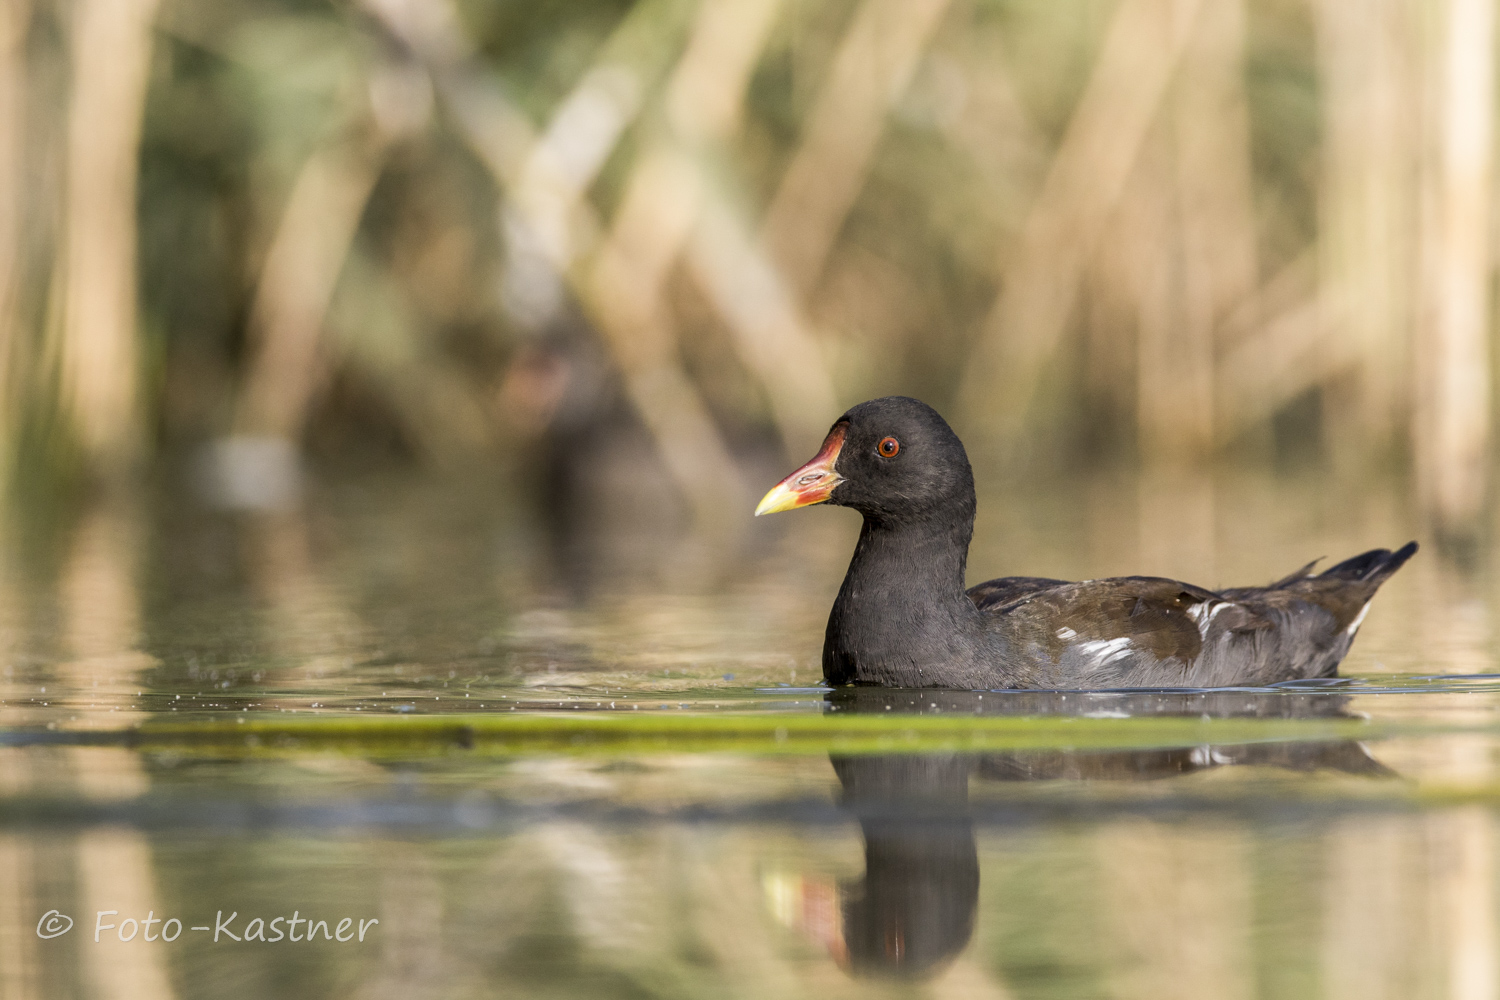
[903,618]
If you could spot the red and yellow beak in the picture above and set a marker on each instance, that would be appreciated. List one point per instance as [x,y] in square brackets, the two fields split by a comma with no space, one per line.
[813,483]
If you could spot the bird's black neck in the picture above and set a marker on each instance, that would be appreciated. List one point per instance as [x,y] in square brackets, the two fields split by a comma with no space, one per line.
[902,609]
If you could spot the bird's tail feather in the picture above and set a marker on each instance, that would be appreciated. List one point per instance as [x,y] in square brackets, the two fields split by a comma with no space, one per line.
[1373,566]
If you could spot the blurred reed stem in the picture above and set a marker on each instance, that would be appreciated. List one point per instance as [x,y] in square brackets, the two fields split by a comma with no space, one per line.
[1089,171]
[872,67]
[1452,425]
[624,287]
[634,258]
[1164,226]
[1367,216]
[98,349]
[1186,235]
[302,266]
[15,18]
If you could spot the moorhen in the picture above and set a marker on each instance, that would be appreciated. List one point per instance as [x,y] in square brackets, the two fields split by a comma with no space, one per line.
[904,619]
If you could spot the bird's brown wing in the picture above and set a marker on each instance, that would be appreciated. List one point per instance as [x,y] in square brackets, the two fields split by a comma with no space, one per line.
[1135,631]
[1008,589]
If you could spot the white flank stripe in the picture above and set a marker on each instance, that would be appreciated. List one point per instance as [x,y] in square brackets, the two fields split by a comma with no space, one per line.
[1105,650]
[1359,620]
[1203,613]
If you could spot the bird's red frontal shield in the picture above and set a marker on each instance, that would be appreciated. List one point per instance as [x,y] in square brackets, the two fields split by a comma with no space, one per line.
[813,483]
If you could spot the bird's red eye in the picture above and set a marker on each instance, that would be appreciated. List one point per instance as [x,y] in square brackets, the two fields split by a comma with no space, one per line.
[888,447]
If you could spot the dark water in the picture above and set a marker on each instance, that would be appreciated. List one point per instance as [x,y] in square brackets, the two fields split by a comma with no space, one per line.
[608,769]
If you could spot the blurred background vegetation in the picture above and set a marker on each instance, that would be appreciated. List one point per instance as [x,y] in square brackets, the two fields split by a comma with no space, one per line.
[249,237]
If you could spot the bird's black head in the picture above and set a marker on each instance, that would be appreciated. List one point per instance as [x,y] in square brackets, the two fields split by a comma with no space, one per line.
[893,459]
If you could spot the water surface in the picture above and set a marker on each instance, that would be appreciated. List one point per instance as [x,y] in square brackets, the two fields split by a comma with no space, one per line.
[553,769]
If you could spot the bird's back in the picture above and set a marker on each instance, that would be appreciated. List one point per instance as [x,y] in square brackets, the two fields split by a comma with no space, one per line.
[1154,632]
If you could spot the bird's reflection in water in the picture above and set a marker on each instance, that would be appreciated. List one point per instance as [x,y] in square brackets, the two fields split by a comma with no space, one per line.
[914,909]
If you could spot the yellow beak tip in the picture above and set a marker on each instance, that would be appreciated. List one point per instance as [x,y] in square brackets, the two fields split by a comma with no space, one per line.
[777,500]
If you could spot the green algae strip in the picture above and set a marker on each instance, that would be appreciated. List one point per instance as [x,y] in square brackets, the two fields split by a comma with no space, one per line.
[601,734]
